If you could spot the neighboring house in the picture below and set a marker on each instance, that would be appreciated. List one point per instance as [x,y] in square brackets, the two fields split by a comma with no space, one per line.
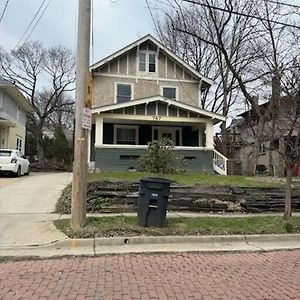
[241,136]
[13,110]
[142,93]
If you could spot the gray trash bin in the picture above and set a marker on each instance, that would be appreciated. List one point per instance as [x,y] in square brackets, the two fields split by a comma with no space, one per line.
[153,201]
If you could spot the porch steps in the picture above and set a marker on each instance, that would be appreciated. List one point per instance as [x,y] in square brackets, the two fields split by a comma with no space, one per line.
[220,163]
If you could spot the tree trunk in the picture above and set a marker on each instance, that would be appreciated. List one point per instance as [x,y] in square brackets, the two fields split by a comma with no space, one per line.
[40,148]
[271,162]
[253,158]
[288,193]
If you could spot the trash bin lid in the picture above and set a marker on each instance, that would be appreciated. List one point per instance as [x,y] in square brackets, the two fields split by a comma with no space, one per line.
[157,180]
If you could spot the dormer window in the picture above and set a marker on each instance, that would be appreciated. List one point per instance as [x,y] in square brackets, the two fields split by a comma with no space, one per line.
[147,62]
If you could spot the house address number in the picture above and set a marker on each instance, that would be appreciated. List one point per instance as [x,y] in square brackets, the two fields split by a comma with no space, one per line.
[156,118]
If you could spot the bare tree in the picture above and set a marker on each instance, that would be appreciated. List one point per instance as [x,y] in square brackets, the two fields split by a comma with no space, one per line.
[287,128]
[45,76]
[252,46]
[208,39]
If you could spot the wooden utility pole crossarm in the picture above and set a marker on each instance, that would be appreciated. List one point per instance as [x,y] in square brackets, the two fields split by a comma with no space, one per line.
[79,190]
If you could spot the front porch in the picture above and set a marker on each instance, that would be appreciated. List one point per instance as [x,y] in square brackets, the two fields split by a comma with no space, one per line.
[121,135]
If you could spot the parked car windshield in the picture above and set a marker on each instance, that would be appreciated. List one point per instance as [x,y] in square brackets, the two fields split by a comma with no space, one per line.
[5,153]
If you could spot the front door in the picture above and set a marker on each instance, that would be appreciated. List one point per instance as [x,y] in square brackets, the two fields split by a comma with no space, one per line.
[167,134]
[171,133]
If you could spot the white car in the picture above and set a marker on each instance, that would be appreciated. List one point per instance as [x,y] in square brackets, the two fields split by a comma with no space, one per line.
[12,161]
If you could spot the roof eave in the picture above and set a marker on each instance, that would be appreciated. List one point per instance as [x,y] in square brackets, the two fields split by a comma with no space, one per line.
[160,45]
[14,92]
[215,117]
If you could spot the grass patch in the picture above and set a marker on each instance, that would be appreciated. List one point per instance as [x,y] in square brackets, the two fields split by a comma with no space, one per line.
[192,179]
[127,226]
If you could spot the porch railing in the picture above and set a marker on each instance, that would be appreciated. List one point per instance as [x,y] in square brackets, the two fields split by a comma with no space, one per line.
[220,163]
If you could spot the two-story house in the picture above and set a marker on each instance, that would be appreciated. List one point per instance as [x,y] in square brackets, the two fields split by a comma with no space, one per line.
[243,132]
[13,110]
[142,93]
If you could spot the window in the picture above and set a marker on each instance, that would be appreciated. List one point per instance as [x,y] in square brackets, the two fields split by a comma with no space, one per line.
[142,62]
[4,153]
[274,145]
[170,92]
[19,144]
[262,148]
[147,62]
[152,63]
[123,92]
[125,135]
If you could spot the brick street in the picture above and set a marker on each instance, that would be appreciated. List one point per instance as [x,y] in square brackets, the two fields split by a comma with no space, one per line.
[273,275]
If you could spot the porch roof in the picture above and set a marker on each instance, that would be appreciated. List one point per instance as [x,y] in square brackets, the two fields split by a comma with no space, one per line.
[197,112]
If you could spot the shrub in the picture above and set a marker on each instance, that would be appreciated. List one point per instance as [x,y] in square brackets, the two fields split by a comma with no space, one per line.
[289,227]
[160,158]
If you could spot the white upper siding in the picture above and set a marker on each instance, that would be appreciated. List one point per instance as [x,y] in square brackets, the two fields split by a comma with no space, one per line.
[13,109]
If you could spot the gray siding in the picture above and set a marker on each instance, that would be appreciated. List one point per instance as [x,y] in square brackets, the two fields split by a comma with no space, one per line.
[116,159]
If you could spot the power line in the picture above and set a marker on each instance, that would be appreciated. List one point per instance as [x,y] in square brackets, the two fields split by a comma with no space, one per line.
[37,22]
[233,12]
[283,4]
[241,14]
[28,27]
[151,14]
[4,10]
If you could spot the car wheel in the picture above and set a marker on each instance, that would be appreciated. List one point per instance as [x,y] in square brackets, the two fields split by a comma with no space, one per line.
[18,174]
[28,171]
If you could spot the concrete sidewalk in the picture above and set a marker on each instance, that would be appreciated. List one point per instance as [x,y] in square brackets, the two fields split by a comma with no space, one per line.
[26,227]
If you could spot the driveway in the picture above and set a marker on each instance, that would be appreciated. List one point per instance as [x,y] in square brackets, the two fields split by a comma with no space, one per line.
[26,208]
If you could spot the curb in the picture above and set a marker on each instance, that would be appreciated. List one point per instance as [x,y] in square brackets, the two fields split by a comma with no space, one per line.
[69,243]
[160,244]
[146,240]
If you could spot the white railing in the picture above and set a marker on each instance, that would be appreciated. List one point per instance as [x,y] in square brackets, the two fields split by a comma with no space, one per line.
[220,163]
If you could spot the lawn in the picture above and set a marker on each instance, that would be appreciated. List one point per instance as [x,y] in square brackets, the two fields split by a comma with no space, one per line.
[192,179]
[127,226]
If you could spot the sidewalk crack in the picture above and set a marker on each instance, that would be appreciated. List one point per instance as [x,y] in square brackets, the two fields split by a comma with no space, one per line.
[94,245]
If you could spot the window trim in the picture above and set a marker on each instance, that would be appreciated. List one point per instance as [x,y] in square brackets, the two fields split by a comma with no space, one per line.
[19,143]
[146,72]
[117,126]
[169,86]
[116,90]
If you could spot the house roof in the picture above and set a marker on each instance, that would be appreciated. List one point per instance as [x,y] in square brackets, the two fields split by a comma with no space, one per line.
[15,93]
[215,117]
[161,46]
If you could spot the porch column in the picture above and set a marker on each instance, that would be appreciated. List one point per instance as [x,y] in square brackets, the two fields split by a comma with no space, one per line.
[99,131]
[200,136]
[209,135]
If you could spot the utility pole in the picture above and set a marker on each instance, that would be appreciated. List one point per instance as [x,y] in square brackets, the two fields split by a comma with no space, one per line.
[79,190]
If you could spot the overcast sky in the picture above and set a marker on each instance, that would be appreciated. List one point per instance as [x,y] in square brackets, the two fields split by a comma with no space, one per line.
[116,23]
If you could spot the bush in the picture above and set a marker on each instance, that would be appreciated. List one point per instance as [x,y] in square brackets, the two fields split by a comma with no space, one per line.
[161,159]
[289,227]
